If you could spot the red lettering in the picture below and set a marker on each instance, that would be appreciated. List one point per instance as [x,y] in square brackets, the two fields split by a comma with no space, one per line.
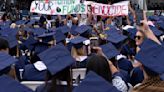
[95,9]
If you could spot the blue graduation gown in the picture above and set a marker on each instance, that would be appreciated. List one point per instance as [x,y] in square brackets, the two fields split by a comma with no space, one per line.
[32,74]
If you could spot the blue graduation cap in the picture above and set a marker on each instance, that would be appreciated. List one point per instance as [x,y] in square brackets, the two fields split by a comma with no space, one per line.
[9,85]
[6,60]
[59,36]
[28,29]
[47,37]
[78,41]
[151,56]
[161,25]
[95,83]
[83,28]
[9,31]
[29,43]
[7,23]
[20,22]
[30,22]
[39,31]
[153,18]
[11,40]
[161,18]
[132,33]
[116,38]
[109,50]
[40,47]
[64,29]
[56,58]
[73,32]
[110,27]
[156,31]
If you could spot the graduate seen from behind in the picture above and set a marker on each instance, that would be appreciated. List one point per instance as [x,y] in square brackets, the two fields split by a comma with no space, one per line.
[6,61]
[105,68]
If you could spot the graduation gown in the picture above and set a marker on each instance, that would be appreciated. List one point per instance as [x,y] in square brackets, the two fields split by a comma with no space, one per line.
[32,74]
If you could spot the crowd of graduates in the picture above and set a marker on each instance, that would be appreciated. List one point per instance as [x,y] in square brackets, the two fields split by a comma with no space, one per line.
[123,53]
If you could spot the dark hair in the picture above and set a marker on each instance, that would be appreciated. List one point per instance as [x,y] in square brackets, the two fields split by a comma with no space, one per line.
[5,71]
[64,75]
[149,72]
[3,44]
[99,65]
[4,17]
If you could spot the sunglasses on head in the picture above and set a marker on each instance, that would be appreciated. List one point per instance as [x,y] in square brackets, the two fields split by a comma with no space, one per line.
[138,37]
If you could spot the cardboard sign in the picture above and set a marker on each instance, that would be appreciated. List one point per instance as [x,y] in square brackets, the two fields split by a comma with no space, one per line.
[58,7]
[116,9]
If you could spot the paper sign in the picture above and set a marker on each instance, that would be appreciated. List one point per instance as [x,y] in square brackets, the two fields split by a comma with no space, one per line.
[116,9]
[58,7]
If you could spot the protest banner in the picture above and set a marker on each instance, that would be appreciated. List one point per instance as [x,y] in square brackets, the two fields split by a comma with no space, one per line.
[116,9]
[58,7]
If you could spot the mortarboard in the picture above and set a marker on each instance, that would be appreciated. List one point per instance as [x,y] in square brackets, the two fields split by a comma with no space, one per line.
[9,85]
[56,58]
[115,37]
[30,22]
[40,47]
[95,83]
[109,50]
[132,33]
[47,37]
[7,23]
[78,41]
[63,29]
[11,40]
[151,56]
[20,22]
[6,60]
[28,29]
[161,25]
[39,31]
[161,18]
[29,43]
[73,32]
[153,18]
[9,31]
[59,36]
[83,28]
[156,31]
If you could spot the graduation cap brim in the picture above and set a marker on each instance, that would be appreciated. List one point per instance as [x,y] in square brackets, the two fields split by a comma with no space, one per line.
[56,58]
[9,85]
[95,83]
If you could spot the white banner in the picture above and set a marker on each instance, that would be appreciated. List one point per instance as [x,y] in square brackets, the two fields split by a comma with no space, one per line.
[117,9]
[58,7]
